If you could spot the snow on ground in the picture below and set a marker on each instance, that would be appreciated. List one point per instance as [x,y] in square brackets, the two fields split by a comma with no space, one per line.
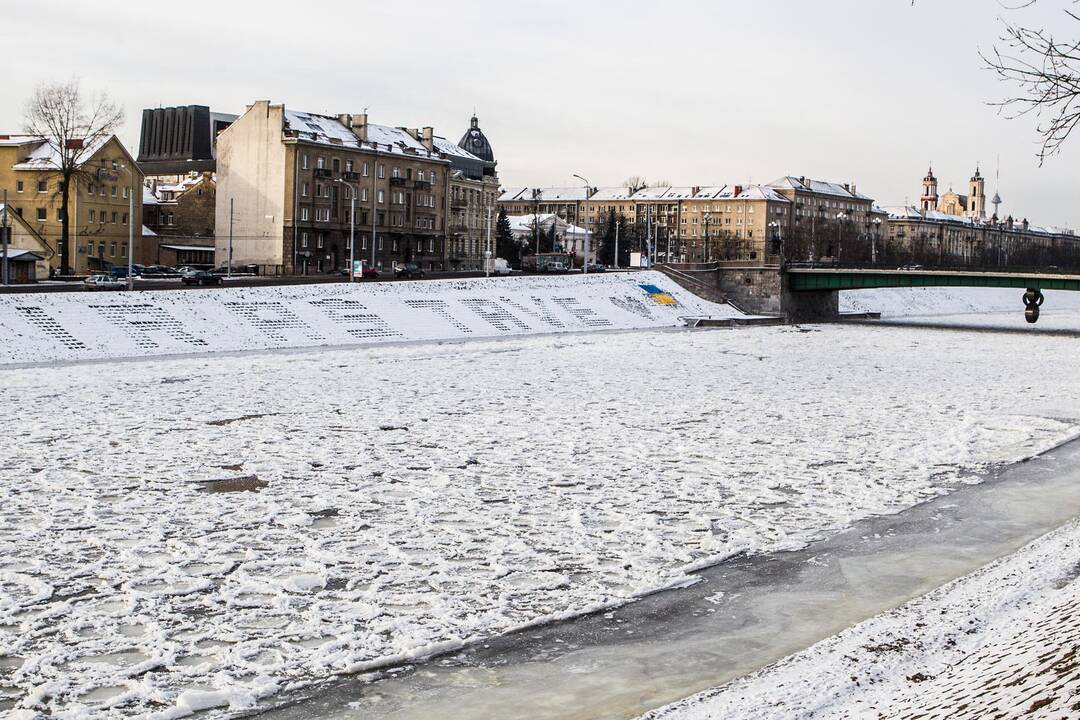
[73,326]
[1001,642]
[199,532]
[915,303]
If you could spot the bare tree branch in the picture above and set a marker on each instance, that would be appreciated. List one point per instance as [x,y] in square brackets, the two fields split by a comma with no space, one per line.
[1045,73]
[73,126]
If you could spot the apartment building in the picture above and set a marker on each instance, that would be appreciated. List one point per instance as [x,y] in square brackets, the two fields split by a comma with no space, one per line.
[473,195]
[99,199]
[291,176]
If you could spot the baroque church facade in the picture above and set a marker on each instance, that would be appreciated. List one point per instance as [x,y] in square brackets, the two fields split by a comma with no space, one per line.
[972,205]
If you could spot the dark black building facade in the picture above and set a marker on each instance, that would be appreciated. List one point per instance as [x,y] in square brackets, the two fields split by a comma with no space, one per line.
[179,140]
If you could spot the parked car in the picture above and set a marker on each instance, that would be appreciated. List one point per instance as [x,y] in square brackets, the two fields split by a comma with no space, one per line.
[555,266]
[596,267]
[501,267]
[409,270]
[201,277]
[158,270]
[188,269]
[121,271]
[103,282]
[367,272]
[910,267]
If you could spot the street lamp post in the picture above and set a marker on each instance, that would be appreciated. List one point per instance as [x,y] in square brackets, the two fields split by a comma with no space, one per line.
[585,247]
[873,241]
[840,217]
[487,247]
[776,228]
[705,254]
[131,226]
[352,227]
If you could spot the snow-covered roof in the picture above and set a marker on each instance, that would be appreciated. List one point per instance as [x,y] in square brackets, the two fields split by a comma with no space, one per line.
[45,157]
[147,232]
[191,248]
[148,197]
[15,254]
[650,193]
[820,187]
[611,193]
[758,192]
[326,130]
[712,193]
[525,223]
[562,194]
[678,193]
[515,193]
[451,148]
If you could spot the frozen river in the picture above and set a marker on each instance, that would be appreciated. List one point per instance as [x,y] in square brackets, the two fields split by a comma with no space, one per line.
[184,533]
[746,613]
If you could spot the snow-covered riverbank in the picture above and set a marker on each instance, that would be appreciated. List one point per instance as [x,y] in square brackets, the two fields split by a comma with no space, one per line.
[389,501]
[1001,642]
[69,326]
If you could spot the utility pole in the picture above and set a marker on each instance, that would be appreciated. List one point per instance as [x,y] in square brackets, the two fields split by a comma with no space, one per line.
[487,246]
[617,218]
[228,273]
[131,229]
[585,245]
[4,240]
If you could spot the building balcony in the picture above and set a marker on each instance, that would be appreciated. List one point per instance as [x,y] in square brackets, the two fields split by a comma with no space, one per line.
[322,172]
[348,175]
[459,228]
[399,182]
[459,203]
[422,185]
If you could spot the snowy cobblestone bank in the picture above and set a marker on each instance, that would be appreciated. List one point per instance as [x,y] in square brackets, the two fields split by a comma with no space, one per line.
[1003,642]
[39,327]
[200,532]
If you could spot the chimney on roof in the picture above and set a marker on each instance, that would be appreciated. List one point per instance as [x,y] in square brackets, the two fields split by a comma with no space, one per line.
[738,191]
[695,190]
[1025,225]
[853,189]
[429,138]
[359,125]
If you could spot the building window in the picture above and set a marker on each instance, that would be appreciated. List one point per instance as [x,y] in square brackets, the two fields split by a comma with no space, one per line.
[336,164]
[432,177]
[101,217]
[397,172]
[420,175]
[112,249]
[123,249]
[380,244]
[320,162]
[321,240]
[92,215]
[125,192]
[59,214]
[41,214]
[303,213]
[42,186]
[18,186]
[363,194]
[348,166]
[90,249]
[382,170]
[102,192]
[303,189]
[382,196]
[363,242]
[364,169]
[114,217]
[303,161]
[124,219]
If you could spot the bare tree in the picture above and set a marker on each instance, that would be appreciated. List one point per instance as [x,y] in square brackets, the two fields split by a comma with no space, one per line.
[73,125]
[1045,72]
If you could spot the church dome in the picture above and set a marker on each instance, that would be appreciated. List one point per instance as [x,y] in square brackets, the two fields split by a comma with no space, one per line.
[476,143]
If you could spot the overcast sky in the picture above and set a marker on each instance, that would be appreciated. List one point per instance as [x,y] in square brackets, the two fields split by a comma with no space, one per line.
[694,93]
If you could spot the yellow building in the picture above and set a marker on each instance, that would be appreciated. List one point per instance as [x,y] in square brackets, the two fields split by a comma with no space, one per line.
[29,255]
[98,203]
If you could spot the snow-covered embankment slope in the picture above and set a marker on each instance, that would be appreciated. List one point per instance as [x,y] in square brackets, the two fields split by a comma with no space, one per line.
[46,327]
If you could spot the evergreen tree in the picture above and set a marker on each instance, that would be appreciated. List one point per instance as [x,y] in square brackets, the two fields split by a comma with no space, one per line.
[506,246]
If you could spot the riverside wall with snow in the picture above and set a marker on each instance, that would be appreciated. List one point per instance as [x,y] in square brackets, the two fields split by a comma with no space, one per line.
[84,326]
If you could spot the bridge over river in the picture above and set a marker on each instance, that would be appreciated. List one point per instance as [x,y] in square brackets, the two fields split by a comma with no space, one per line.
[807,292]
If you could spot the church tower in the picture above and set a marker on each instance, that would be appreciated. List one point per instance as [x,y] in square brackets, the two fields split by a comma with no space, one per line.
[929,200]
[976,195]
